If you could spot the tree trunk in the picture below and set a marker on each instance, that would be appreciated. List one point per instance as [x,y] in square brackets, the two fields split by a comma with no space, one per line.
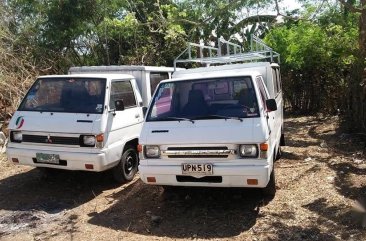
[356,111]
[362,79]
[362,29]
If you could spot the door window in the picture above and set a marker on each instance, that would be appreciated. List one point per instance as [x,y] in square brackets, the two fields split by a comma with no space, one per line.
[262,91]
[122,90]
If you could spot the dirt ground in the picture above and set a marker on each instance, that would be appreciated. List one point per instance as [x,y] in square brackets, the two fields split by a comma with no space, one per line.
[321,181]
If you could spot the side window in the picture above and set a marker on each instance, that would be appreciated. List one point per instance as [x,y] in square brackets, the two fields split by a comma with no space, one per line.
[122,90]
[155,78]
[164,101]
[275,81]
[262,91]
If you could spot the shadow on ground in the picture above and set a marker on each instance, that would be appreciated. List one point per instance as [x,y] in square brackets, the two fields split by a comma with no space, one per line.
[350,175]
[65,190]
[182,212]
[349,178]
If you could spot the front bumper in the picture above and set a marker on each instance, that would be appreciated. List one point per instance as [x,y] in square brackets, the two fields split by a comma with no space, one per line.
[71,160]
[230,175]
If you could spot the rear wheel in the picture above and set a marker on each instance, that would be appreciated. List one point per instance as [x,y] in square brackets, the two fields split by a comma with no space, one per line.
[278,153]
[270,189]
[127,167]
[282,140]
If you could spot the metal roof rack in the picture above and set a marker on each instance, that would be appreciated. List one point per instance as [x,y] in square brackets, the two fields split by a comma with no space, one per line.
[233,53]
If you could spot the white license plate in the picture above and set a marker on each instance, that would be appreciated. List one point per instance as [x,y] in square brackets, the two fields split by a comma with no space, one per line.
[48,158]
[202,169]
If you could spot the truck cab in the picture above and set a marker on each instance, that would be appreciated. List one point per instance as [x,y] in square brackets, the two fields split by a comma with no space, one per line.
[215,126]
[217,129]
[87,120]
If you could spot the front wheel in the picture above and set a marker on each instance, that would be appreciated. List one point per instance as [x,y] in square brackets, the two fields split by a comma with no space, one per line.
[127,167]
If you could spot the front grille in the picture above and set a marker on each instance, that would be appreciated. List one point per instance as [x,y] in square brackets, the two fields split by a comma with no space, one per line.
[197,148]
[198,152]
[209,179]
[198,156]
[59,140]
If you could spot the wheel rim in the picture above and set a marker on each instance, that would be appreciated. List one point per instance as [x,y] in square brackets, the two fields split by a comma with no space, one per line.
[130,163]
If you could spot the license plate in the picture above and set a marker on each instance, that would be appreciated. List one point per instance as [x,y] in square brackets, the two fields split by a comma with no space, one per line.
[48,158]
[202,169]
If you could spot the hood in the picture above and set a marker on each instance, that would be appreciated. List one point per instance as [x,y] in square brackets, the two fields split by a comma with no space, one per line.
[54,122]
[203,132]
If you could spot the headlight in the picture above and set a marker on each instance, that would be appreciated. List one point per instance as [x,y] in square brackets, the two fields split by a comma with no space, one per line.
[248,150]
[87,141]
[152,151]
[16,136]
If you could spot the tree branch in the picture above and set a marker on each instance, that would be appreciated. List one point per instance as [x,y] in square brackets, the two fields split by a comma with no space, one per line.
[350,6]
[277,7]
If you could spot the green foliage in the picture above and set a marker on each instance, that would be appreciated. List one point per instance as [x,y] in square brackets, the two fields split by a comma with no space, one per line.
[316,62]
[95,32]
[319,54]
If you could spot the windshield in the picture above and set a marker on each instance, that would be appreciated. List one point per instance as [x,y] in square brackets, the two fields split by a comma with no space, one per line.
[73,95]
[214,98]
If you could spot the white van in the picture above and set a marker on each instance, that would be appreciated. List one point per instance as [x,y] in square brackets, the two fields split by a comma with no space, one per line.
[217,126]
[87,122]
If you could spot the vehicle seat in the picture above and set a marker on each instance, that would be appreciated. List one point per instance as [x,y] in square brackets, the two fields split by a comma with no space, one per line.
[246,98]
[73,96]
[196,105]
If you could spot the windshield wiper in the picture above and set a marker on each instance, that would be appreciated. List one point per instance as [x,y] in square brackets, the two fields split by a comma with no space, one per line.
[218,117]
[177,118]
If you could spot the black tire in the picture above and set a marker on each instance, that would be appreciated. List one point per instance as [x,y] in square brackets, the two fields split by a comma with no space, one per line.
[127,167]
[270,189]
[282,140]
[279,153]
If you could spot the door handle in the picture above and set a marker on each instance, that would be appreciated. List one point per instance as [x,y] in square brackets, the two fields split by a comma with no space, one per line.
[137,115]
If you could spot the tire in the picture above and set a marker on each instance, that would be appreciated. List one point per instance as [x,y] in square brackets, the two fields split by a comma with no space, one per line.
[270,189]
[282,140]
[279,153]
[127,166]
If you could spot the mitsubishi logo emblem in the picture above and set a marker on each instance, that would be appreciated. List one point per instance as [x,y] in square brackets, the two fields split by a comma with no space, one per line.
[48,140]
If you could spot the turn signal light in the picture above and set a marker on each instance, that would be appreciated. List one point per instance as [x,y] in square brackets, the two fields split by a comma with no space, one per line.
[252,181]
[100,138]
[89,166]
[139,148]
[263,146]
[151,179]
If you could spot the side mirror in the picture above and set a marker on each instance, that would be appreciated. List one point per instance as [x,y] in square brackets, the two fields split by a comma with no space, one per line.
[119,105]
[271,105]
